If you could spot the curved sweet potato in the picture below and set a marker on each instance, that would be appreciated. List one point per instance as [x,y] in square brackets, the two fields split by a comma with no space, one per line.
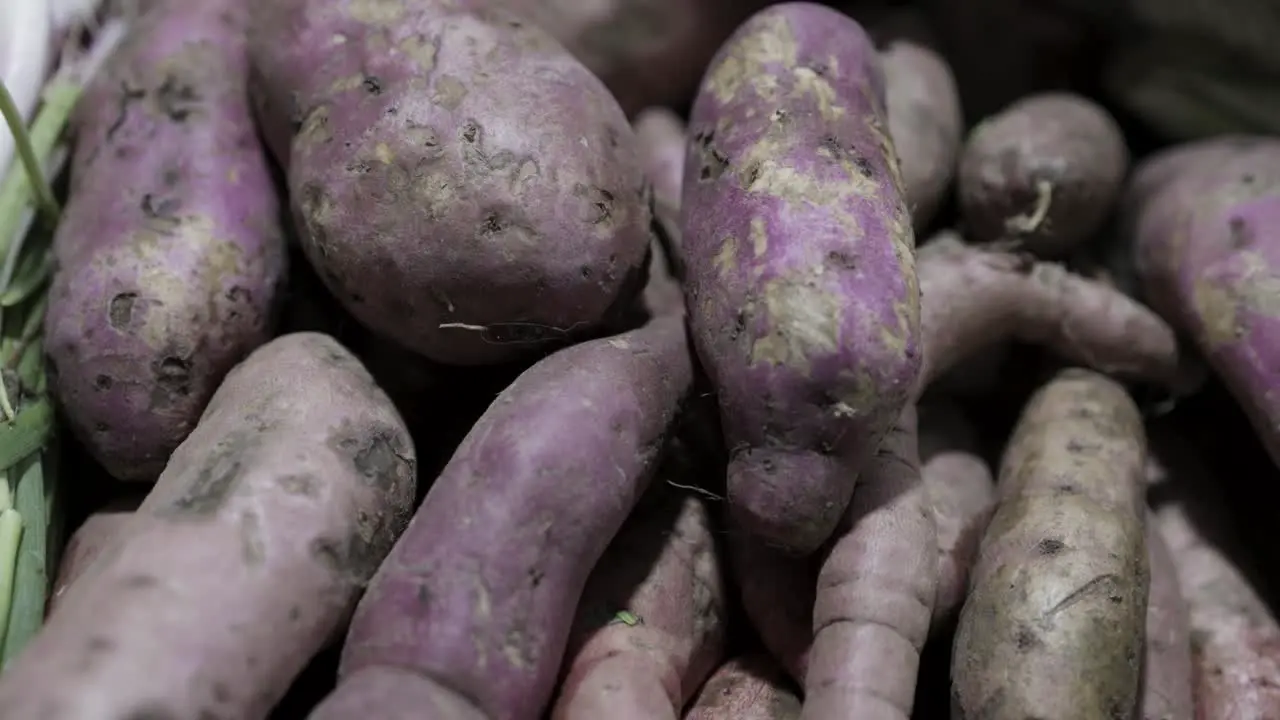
[1203,221]
[651,623]
[1166,667]
[472,610]
[243,561]
[800,266]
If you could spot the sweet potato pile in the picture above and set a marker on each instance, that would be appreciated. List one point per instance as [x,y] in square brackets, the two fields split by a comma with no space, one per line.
[653,360]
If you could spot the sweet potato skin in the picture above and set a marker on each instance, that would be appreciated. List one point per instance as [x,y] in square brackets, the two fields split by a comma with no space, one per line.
[875,592]
[746,688]
[530,222]
[87,542]
[796,235]
[1054,623]
[1202,219]
[1044,172]
[925,121]
[976,298]
[478,596]
[962,494]
[663,570]
[1234,636]
[244,559]
[1166,674]
[170,252]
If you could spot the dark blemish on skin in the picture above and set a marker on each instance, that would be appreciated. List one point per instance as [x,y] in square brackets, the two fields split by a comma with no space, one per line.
[140,581]
[300,485]
[491,225]
[177,100]
[1241,233]
[604,207]
[423,595]
[752,175]
[217,477]
[381,455]
[102,382]
[126,98]
[356,559]
[714,162]
[238,294]
[173,375]
[295,613]
[864,168]
[150,712]
[1050,546]
[768,466]
[1065,489]
[120,310]
[842,260]
[372,85]
[1025,639]
[164,209]
[470,131]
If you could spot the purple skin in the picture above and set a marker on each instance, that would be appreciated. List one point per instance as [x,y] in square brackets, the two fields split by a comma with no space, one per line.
[170,253]
[478,595]
[1206,228]
[800,279]
[462,185]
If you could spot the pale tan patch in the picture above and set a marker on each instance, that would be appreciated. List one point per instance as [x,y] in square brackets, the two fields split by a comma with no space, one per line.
[375,12]
[759,237]
[726,258]
[449,92]
[770,41]
[805,320]
[1222,310]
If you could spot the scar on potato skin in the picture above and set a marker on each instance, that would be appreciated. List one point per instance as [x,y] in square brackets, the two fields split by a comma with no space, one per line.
[218,477]
[378,453]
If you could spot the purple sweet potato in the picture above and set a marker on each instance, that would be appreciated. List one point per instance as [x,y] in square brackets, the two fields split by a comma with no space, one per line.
[962,493]
[875,592]
[471,612]
[925,121]
[768,578]
[974,298]
[746,688]
[650,626]
[1045,173]
[1235,638]
[800,266]
[1203,219]
[245,558]
[1054,623]
[462,184]
[170,253]
[647,52]
[1166,667]
[87,542]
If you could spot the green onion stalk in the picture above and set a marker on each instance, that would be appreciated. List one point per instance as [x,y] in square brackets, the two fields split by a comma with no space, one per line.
[30,521]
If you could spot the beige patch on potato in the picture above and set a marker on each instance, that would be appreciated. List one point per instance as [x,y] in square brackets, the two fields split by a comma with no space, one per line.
[805,319]
[421,50]
[1222,307]
[769,41]
[376,12]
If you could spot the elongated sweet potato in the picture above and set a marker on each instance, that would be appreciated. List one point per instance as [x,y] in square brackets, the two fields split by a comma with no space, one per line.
[875,592]
[1166,666]
[800,273]
[1045,172]
[1202,219]
[244,559]
[651,623]
[925,121]
[778,591]
[471,612]
[462,184]
[1054,623]
[962,494]
[170,252]
[86,543]
[975,298]
[746,688]
[1234,635]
